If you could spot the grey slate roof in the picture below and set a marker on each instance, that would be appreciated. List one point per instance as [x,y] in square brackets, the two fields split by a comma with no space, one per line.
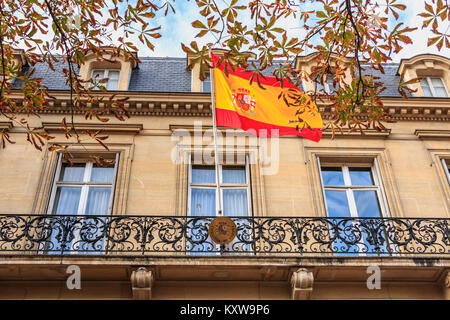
[159,74]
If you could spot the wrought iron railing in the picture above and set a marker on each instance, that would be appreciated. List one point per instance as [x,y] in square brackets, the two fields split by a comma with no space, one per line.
[260,236]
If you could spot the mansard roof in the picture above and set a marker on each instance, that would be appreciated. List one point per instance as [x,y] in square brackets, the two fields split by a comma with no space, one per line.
[166,74]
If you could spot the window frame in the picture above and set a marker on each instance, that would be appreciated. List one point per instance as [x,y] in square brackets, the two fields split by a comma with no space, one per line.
[431,87]
[85,185]
[348,188]
[327,85]
[106,75]
[222,186]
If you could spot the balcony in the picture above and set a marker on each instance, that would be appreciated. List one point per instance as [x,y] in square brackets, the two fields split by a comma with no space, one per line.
[256,236]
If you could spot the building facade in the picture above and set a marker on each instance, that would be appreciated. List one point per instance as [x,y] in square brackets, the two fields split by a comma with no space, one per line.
[313,220]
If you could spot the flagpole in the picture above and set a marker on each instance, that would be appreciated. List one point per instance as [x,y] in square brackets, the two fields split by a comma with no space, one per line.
[216,154]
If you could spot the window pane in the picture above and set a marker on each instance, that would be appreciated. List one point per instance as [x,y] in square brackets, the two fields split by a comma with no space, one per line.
[425,88]
[235,202]
[98,74]
[98,201]
[203,174]
[207,84]
[437,82]
[235,175]
[73,174]
[113,75]
[67,200]
[367,204]
[102,174]
[112,84]
[203,202]
[337,203]
[440,92]
[361,176]
[332,176]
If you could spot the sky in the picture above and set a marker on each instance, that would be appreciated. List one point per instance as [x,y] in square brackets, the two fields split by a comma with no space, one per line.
[176,28]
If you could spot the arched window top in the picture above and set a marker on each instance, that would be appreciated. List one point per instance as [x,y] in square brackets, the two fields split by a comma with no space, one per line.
[424,62]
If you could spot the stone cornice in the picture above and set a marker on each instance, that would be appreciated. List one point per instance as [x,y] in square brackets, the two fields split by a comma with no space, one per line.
[104,127]
[371,133]
[6,125]
[423,134]
[199,105]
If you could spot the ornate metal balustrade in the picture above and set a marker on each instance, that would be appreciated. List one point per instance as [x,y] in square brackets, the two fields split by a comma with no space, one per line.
[266,236]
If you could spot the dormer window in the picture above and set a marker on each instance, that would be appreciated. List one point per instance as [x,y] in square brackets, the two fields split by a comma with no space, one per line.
[112,75]
[433,87]
[432,69]
[111,64]
[308,65]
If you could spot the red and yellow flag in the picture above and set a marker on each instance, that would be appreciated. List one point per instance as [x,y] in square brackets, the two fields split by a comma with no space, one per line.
[246,106]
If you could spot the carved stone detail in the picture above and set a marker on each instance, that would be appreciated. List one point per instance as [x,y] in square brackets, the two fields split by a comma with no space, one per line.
[141,284]
[302,284]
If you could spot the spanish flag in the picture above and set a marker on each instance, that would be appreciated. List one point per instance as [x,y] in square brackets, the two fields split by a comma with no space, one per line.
[269,112]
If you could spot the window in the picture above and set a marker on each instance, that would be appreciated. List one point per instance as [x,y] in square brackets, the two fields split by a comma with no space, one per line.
[328,87]
[234,187]
[433,87]
[351,191]
[83,189]
[206,84]
[354,191]
[112,75]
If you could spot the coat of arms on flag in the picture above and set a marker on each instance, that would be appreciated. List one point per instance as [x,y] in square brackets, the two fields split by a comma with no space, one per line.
[244,100]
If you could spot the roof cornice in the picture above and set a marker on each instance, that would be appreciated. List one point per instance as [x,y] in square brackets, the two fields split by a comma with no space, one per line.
[199,105]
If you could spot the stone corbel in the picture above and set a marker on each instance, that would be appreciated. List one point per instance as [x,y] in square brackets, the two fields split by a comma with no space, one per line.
[302,284]
[141,283]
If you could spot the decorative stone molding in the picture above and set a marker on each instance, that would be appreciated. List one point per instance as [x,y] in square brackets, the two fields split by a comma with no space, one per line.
[302,284]
[142,283]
